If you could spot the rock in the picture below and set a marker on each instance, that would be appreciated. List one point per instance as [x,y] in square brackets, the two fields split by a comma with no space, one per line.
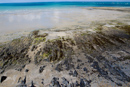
[43,35]
[23,66]
[15,50]
[38,53]
[35,33]
[2,71]
[84,83]
[35,59]
[24,80]
[19,79]
[41,69]
[78,60]
[71,72]
[26,70]
[3,78]
[65,82]
[42,81]
[76,83]
[32,84]
[90,60]
[95,65]
[68,63]
[71,85]
[81,64]
[75,74]
[20,68]
[78,67]
[33,47]
[119,84]
[55,82]
[59,67]
[23,83]
[85,69]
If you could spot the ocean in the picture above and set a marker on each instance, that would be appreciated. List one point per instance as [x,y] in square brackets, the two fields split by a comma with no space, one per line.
[41,5]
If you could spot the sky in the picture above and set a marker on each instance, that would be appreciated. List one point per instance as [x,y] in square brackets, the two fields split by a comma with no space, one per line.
[12,1]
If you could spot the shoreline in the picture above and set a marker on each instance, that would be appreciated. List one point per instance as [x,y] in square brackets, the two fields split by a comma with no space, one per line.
[74,20]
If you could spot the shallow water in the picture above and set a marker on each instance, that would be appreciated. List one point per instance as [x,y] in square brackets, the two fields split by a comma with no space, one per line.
[17,21]
[19,16]
[34,19]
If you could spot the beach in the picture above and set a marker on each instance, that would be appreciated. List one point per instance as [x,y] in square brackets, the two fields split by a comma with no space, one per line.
[20,23]
[61,47]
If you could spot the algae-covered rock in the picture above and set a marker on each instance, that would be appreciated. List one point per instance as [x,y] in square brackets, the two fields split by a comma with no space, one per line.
[15,52]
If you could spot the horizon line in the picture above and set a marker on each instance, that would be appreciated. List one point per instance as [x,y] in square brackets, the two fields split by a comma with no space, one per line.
[63,1]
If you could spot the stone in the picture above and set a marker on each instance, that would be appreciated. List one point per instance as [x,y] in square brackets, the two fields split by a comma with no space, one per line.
[27,70]
[42,81]
[33,47]
[85,69]
[59,67]
[71,72]
[78,67]
[68,63]
[84,83]
[24,80]
[119,84]
[65,82]
[76,83]
[78,60]
[75,74]
[23,66]
[3,78]
[23,83]
[55,82]
[32,84]
[2,71]
[19,79]
[41,69]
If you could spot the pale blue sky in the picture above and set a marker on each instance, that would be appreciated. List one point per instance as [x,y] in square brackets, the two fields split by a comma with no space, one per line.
[9,1]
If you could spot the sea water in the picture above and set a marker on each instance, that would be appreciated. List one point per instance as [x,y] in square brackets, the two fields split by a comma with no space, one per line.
[37,5]
[38,15]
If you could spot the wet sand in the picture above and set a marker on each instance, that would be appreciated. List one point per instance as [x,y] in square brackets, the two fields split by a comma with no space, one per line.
[17,24]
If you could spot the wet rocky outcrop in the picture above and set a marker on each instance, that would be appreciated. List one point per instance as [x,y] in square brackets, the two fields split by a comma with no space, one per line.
[55,50]
[89,57]
[15,52]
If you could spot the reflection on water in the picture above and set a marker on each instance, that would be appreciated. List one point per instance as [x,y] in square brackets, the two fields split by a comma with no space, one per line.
[34,19]
[56,16]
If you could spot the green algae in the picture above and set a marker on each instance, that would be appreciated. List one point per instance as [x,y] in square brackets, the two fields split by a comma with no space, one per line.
[39,39]
[46,55]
